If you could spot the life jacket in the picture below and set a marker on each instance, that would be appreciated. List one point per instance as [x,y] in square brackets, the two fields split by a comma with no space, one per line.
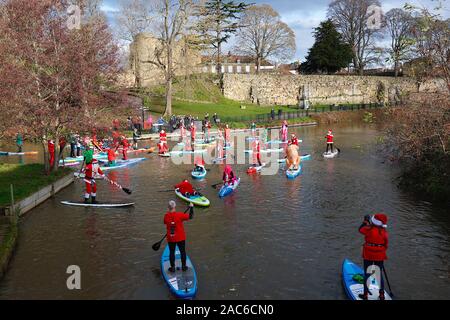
[111,155]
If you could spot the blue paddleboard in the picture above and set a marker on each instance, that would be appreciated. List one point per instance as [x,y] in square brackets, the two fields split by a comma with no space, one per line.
[182,284]
[350,273]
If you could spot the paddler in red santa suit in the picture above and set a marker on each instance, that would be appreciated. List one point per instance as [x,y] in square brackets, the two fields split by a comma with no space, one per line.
[329,138]
[163,136]
[125,144]
[91,171]
[193,132]
[162,147]
[294,140]
[51,152]
[199,164]
[374,249]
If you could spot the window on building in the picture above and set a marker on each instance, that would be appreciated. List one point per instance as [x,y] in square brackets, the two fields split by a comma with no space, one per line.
[213,69]
[247,69]
[223,69]
[230,69]
[238,69]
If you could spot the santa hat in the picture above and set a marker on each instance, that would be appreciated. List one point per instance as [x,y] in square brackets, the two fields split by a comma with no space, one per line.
[162,131]
[329,130]
[380,220]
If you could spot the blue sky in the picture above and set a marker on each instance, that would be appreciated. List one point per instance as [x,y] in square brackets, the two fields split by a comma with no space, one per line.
[304,15]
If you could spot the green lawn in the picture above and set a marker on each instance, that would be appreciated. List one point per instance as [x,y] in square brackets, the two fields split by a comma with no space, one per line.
[26,180]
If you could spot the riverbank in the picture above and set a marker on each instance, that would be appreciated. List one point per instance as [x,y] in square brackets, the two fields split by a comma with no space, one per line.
[8,239]
[26,180]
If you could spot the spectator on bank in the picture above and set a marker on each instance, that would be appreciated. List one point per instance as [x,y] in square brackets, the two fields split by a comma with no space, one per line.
[272,114]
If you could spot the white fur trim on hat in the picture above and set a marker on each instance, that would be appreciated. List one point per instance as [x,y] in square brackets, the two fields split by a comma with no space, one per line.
[377,222]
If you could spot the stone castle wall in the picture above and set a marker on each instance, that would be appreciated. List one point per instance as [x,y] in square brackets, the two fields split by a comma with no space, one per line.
[269,89]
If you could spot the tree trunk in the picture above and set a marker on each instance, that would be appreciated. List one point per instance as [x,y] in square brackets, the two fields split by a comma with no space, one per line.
[219,64]
[396,68]
[46,159]
[168,111]
[258,64]
[56,157]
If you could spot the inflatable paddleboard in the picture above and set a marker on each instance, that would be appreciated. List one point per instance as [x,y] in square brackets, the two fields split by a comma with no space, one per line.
[228,189]
[187,152]
[28,153]
[306,156]
[331,155]
[122,164]
[97,205]
[292,174]
[198,174]
[82,175]
[266,150]
[183,284]
[255,169]
[200,201]
[351,277]
[164,155]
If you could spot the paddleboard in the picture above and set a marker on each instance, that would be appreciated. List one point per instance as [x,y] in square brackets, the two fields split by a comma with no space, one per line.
[353,287]
[266,150]
[164,155]
[219,159]
[97,205]
[277,142]
[122,164]
[187,152]
[331,155]
[183,284]
[27,153]
[228,189]
[255,169]
[200,201]
[306,156]
[292,174]
[198,174]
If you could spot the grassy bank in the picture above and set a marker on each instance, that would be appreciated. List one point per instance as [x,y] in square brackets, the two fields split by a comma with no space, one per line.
[26,180]
[7,245]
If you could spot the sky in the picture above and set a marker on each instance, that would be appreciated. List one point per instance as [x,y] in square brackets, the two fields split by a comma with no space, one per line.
[303,15]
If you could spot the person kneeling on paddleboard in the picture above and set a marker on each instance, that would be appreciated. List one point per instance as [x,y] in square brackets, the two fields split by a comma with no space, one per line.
[92,169]
[228,175]
[199,165]
[162,147]
[374,250]
[186,189]
[329,138]
[176,237]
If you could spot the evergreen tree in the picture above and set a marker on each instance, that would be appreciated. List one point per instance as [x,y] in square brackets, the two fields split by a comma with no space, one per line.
[217,21]
[329,52]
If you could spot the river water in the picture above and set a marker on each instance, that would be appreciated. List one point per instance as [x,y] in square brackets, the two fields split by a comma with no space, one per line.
[272,239]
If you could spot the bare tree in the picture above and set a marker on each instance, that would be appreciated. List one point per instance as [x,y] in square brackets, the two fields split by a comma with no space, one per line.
[431,35]
[134,17]
[354,21]
[170,26]
[263,35]
[399,24]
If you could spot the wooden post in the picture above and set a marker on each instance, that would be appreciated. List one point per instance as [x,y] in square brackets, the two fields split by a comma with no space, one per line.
[13,209]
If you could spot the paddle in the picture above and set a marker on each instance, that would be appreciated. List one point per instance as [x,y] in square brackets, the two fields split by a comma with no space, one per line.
[157,245]
[214,186]
[126,190]
[389,285]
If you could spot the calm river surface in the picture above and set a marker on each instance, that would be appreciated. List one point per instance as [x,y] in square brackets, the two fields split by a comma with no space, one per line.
[272,239]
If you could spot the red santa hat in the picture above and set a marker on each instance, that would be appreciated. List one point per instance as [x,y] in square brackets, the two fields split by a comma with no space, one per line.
[379,220]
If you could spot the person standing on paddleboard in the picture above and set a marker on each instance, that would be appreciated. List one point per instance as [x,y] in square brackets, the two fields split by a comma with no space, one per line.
[135,138]
[19,142]
[111,157]
[329,138]
[284,131]
[91,170]
[374,249]
[227,135]
[176,236]
[257,152]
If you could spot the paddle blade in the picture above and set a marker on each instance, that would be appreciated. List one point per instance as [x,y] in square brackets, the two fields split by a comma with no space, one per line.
[126,190]
[156,246]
